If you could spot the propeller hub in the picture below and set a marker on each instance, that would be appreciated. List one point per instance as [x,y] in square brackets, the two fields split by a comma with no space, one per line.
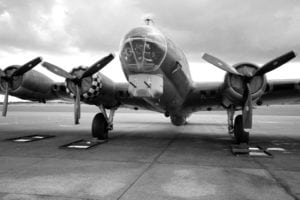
[89,86]
[247,69]
[13,81]
[237,82]
[10,70]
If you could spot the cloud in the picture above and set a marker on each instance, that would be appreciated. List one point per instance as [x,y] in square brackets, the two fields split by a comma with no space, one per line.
[32,25]
[258,29]
[234,30]
[100,25]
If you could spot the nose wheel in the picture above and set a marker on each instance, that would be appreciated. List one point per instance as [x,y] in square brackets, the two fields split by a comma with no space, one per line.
[241,136]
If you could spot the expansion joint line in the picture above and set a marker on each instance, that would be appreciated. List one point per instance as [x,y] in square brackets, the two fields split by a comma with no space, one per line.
[150,165]
[279,181]
[42,196]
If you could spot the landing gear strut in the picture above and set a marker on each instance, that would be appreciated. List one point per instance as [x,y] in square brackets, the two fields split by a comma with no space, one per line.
[230,115]
[236,128]
[102,123]
[240,134]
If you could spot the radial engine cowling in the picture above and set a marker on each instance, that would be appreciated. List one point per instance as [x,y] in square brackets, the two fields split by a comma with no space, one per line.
[234,89]
[89,87]
[32,85]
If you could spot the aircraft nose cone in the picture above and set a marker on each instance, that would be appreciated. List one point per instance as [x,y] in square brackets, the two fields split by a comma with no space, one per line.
[143,50]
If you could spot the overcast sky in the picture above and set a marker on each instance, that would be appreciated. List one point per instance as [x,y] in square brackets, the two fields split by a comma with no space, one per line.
[79,32]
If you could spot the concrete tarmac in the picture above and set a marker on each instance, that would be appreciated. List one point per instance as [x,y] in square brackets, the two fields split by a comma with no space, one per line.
[147,157]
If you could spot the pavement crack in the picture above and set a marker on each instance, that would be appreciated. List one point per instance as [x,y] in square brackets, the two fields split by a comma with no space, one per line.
[149,166]
[46,196]
[279,181]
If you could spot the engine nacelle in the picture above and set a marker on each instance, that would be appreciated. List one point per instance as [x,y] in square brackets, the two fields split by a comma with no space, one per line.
[234,85]
[33,85]
[91,87]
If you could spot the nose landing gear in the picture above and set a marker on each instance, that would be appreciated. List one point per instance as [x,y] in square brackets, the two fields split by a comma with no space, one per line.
[102,123]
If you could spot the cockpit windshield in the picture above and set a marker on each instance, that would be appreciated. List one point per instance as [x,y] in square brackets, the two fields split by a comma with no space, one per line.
[143,50]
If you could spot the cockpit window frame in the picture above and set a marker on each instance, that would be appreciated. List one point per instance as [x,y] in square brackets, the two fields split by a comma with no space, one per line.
[138,63]
[147,35]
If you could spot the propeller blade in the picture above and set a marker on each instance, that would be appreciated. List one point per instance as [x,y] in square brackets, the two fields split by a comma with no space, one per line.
[275,63]
[220,64]
[5,103]
[57,70]
[26,67]
[77,105]
[247,107]
[98,65]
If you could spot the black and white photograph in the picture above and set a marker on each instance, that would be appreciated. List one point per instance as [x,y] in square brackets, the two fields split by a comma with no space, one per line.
[149,100]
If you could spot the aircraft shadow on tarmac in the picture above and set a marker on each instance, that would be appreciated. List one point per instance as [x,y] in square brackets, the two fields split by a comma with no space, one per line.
[156,131]
[168,123]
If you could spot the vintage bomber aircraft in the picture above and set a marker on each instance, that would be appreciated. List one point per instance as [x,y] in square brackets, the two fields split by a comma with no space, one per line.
[159,80]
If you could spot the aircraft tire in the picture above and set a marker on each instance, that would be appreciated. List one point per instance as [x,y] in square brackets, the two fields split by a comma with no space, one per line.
[241,136]
[99,127]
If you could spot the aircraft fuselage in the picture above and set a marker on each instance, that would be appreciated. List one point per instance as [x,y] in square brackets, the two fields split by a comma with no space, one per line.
[150,61]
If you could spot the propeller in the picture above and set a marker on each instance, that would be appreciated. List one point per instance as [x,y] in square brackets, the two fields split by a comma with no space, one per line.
[77,80]
[220,64]
[247,77]
[8,78]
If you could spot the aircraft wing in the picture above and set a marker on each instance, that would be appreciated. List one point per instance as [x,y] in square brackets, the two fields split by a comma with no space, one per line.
[95,90]
[204,96]
[282,92]
[214,95]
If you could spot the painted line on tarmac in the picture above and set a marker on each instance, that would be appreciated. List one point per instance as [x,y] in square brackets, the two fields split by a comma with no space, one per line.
[268,122]
[275,149]
[66,126]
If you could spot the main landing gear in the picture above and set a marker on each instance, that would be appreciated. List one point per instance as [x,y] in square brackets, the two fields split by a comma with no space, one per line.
[230,115]
[241,136]
[102,123]
[237,128]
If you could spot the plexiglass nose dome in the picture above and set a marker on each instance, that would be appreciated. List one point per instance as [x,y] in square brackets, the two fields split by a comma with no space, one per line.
[143,49]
